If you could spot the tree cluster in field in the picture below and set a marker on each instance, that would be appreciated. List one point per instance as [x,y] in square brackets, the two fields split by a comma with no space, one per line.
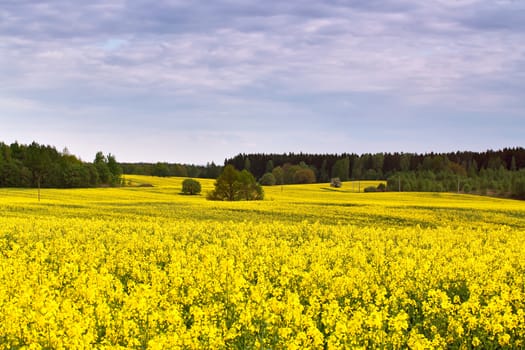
[163,169]
[37,165]
[234,185]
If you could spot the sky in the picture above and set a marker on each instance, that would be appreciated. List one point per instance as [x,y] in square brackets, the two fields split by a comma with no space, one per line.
[201,81]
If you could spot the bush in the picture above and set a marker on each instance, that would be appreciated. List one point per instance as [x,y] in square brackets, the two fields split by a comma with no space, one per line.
[381,187]
[371,189]
[191,187]
[336,182]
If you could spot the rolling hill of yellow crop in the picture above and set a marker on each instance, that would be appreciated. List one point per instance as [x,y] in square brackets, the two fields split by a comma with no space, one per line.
[308,267]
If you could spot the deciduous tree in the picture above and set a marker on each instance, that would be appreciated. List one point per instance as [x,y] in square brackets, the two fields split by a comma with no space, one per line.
[233,185]
[191,187]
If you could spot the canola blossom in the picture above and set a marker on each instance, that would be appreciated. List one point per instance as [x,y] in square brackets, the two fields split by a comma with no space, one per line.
[309,267]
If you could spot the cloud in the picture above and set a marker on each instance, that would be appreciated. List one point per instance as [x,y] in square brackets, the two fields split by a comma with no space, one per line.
[351,46]
[319,60]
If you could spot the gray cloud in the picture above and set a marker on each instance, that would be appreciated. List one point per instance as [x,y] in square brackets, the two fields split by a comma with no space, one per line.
[188,61]
[357,48]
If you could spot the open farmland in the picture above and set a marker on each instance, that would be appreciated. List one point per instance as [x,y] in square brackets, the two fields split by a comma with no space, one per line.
[308,267]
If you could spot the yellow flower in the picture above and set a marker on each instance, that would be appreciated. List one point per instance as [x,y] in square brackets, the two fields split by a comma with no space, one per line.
[476,342]
[504,339]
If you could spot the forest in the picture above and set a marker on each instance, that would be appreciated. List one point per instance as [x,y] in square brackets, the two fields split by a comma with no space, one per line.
[491,172]
[38,165]
[380,165]
[164,169]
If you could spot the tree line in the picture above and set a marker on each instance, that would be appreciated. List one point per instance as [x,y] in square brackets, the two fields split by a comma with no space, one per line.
[499,172]
[378,166]
[164,169]
[488,181]
[38,165]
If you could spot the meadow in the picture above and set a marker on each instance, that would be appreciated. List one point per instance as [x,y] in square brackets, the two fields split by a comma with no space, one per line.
[309,267]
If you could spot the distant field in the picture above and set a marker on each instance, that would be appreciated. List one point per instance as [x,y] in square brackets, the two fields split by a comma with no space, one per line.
[309,267]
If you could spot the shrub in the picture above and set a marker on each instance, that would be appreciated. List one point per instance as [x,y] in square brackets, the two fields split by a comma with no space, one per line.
[191,187]
[336,182]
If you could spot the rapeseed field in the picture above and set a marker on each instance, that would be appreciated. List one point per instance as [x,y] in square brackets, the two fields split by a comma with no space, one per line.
[310,267]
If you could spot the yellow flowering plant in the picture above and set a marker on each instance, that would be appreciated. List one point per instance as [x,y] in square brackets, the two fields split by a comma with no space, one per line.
[307,268]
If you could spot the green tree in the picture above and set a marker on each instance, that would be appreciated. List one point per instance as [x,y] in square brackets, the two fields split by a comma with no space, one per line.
[93,179]
[115,169]
[269,166]
[233,185]
[341,169]
[76,175]
[323,176]
[161,170]
[101,165]
[227,185]
[357,169]
[440,163]
[211,171]
[191,187]
[15,174]
[179,170]
[278,173]
[249,189]
[37,160]
[304,176]
[289,173]
[457,169]
[473,168]
[518,185]
[378,161]
[404,162]
[268,179]
[513,166]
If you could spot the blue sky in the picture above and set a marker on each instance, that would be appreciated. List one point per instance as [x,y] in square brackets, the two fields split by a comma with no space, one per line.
[199,81]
